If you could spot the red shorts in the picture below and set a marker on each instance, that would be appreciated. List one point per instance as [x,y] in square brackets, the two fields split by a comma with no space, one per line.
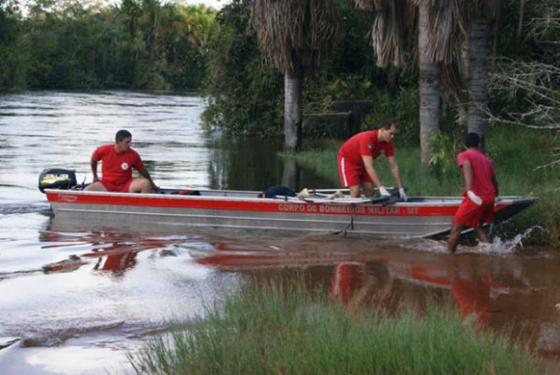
[471,215]
[351,174]
[117,188]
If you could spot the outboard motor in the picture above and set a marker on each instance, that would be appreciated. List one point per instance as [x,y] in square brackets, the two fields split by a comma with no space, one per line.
[57,178]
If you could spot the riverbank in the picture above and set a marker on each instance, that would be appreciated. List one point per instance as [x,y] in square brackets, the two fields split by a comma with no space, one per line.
[522,160]
[274,328]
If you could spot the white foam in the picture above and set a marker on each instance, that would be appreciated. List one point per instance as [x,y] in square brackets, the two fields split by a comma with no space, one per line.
[498,246]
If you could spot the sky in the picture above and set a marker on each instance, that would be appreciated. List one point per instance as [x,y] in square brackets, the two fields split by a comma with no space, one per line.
[213,3]
[217,4]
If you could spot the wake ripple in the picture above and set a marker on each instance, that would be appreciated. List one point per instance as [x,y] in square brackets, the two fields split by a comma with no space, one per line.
[24,208]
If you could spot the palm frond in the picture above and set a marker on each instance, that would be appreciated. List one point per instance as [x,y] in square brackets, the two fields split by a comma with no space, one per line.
[295,33]
[364,4]
[390,27]
[445,27]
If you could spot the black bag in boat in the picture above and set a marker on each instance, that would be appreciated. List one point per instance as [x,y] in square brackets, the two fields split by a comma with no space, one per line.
[57,178]
[273,191]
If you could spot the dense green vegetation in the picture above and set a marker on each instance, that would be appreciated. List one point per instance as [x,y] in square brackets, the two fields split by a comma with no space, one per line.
[290,330]
[245,94]
[138,44]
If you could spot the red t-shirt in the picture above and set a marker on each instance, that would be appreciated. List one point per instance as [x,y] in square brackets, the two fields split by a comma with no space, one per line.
[116,168]
[365,143]
[483,172]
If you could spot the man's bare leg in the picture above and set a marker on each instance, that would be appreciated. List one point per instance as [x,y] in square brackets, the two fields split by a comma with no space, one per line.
[482,234]
[140,185]
[355,191]
[368,189]
[95,186]
[454,237]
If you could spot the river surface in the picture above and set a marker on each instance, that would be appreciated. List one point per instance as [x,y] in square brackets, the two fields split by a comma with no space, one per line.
[75,299]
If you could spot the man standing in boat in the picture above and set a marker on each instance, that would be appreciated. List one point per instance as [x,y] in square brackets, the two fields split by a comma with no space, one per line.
[481,189]
[117,160]
[356,156]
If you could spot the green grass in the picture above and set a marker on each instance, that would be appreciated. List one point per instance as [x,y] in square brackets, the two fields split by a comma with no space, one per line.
[289,330]
[517,154]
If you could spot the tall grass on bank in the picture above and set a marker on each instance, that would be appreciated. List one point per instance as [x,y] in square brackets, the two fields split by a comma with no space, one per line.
[288,330]
[518,155]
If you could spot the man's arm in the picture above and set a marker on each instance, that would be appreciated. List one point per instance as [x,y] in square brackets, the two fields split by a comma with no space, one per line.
[495,182]
[467,174]
[93,164]
[368,164]
[395,171]
[144,172]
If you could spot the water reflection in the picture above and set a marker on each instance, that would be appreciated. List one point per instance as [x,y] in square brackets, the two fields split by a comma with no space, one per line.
[490,292]
[355,284]
[253,164]
[127,283]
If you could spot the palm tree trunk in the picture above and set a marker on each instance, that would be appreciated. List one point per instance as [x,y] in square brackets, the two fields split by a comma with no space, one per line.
[290,174]
[495,31]
[293,85]
[479,59]
[520,20]
[429,89]
[463,97]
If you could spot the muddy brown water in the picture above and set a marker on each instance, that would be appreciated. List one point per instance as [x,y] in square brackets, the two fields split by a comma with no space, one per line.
[76,299]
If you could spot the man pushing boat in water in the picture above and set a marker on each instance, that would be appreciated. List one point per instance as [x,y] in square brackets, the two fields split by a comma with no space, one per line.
[356,156]
[481,190]
[117,160]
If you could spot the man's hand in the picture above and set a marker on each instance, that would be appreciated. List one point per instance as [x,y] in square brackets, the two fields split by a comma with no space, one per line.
[475,198]
[402,195]
[383,192]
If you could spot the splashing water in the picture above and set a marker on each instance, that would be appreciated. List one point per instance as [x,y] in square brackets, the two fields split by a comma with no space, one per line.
[501,246]
[498,246]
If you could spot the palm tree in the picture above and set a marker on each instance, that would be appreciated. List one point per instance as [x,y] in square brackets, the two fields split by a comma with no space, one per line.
[457,33]
[479,16]
[295,35]
[436,24]
[391,31]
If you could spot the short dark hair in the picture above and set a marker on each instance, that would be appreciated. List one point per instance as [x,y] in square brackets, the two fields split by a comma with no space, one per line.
[387,123]
[472,140]
[122,134]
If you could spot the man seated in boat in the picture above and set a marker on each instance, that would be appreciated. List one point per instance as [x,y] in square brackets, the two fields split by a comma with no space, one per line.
[356,156]
[117,161]
[481,189]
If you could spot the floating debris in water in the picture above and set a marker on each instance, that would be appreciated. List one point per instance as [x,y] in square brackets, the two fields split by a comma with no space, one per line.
[7,341]
[71,264]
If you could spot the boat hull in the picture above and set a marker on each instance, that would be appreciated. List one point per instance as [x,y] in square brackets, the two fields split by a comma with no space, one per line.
[421,217]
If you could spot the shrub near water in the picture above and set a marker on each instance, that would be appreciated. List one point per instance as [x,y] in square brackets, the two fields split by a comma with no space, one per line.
[288,330]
